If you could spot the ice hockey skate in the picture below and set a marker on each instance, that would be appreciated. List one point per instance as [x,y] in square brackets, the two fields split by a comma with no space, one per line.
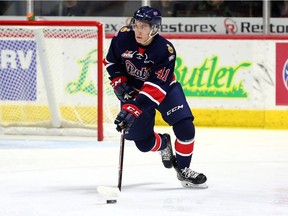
[190,178]
[167,153]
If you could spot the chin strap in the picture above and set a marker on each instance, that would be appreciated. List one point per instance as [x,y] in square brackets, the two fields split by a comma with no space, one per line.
[150,35]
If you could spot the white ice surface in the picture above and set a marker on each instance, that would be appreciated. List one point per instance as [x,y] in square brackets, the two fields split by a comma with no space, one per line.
[247,174]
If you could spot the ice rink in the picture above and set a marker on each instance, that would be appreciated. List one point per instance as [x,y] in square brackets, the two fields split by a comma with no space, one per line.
[247,174]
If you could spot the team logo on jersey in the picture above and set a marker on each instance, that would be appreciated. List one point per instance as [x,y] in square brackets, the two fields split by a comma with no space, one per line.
[145,57]
[127,54]
[139,56]
[170,49]
[124,29]
[141,74]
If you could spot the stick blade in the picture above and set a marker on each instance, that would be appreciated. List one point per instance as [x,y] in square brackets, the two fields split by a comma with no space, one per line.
[108,191]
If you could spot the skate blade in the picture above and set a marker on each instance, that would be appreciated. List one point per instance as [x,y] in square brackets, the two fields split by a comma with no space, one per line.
[186,184]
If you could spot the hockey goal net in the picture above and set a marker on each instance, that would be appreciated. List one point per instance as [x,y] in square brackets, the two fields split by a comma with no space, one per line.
[52,78]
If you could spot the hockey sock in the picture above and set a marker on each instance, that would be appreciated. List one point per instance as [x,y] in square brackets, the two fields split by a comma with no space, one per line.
[184,130]
[153,143]
[160,143]
[184,152]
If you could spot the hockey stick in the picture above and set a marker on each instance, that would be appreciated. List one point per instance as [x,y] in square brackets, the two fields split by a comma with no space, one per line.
[112,191]
[121,159]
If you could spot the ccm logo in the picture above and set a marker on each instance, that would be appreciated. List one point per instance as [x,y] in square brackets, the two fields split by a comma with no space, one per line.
[116,83]
[174,109]
[133,111]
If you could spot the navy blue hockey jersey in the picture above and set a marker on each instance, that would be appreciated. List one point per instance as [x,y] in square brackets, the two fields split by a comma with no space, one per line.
[149,69]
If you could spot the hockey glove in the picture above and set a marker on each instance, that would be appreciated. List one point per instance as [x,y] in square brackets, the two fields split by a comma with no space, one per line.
[122,90]
[126,117]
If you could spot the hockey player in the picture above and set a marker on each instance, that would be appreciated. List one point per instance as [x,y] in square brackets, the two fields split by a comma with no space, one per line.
[140,64]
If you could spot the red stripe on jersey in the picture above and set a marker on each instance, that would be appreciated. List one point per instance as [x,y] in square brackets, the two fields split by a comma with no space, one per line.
[153,92]
[158,142]
[184,148]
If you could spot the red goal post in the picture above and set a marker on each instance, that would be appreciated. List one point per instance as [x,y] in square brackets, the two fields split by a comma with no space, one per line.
[46,56]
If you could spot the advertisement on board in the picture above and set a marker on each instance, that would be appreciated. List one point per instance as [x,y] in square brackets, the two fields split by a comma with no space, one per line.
[282,74]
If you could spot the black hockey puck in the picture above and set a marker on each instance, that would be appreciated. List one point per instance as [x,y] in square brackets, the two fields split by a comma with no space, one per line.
[111,201]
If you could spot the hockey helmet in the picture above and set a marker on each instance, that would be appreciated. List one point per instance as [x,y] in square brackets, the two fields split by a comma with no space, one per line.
[148,15]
